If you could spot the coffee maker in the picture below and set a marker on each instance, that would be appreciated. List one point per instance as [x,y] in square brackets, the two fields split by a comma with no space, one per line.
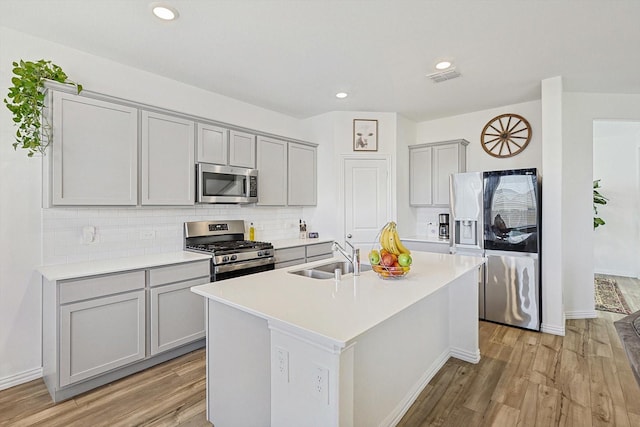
[443,229]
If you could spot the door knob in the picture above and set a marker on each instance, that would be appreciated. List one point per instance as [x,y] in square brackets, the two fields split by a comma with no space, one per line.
[349,236]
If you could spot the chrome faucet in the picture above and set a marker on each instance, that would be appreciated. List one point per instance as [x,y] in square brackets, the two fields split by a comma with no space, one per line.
[354,258]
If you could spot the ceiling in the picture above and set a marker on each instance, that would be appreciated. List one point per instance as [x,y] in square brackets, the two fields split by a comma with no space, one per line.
[292,56]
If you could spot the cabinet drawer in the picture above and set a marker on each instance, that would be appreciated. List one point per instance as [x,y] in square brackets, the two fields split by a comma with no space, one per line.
[179,272]
[319,249]
[289,254]
[289,263]
[319,257]
[93,287]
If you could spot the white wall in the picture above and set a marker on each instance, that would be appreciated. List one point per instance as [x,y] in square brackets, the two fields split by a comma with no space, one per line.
[616,163]
[579,112]
[469,126]
[23,223]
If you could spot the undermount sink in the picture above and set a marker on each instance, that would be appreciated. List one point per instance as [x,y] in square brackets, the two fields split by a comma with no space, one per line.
[327,271]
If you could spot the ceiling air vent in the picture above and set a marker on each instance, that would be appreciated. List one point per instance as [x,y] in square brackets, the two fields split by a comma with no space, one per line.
[444,75]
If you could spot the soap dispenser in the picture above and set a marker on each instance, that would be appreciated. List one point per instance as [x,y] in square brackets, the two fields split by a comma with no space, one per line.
[252,232]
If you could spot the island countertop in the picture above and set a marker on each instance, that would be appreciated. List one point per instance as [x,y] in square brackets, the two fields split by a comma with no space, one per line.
[341,310]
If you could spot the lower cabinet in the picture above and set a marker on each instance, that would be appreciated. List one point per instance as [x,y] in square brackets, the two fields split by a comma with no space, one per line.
[100,328]
[99,335]
[437,247]
[287,257]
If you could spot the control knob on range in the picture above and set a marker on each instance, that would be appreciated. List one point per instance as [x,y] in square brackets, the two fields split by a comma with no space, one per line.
[234,257]
[225,258]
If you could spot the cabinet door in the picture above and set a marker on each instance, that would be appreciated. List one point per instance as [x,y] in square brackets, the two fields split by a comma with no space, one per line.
[177,315]
[212,144]
[94,152]
[420,181]
[272,172]
[301,188]
[242,149]
[99,335]
[445,162]
[168,161]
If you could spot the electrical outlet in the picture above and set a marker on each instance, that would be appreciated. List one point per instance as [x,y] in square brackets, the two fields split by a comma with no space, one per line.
[147,234]
[320,383]
[282,363]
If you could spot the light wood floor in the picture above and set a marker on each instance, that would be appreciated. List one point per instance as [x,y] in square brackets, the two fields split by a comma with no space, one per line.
[524,379]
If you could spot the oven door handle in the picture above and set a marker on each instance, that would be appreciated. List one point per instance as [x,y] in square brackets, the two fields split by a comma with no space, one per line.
[225,268]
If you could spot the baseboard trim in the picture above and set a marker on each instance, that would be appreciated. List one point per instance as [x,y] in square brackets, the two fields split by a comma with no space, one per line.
[466,355]
[20,378]
[586,314]
[553,329]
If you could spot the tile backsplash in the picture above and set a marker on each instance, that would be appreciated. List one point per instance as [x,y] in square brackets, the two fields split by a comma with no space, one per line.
[92,233]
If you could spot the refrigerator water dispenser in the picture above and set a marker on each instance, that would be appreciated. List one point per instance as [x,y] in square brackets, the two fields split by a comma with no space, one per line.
[466,232]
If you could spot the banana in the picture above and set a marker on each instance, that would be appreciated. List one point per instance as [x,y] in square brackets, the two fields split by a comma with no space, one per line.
[392,236]
[384,238]
[399,245]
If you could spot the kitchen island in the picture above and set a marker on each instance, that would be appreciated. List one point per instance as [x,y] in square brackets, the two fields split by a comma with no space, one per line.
[285,350]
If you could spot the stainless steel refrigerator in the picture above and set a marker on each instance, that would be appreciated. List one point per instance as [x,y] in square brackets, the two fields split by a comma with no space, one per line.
[497,215]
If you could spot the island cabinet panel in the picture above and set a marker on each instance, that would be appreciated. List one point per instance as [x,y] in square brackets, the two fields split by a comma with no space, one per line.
[94,152]
[100,334]
[242,149]
[430,166]
[441,248]
[272,172]
[168,160]
[302,177]
[212,145]
[177,315]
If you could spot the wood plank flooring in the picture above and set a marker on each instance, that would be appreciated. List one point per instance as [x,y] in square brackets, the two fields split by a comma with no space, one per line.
[524,379]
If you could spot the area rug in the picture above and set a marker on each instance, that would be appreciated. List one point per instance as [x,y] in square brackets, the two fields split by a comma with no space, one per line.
[609,297]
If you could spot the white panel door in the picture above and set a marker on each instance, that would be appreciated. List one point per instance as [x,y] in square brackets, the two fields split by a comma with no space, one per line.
[366,199]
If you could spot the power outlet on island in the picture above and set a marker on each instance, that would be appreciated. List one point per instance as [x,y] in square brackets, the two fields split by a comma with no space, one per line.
[282,363]
[320,383]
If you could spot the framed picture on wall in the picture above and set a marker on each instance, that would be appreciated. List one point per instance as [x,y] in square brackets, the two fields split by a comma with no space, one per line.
[365,135]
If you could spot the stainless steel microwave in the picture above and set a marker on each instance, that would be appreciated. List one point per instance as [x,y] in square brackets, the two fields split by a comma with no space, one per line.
[226,184]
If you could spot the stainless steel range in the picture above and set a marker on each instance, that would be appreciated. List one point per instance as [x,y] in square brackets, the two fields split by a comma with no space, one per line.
[232,255]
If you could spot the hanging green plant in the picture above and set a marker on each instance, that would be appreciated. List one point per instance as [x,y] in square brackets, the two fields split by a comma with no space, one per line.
[26,100]
[598,199]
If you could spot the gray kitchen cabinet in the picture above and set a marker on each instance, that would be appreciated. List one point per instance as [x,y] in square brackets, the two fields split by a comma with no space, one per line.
[286,257]
[100,329]
[318,251]
[242,149]
[437,247]
[94,157]
[97,329]
[272,172]
[177,315]
[212,144]
[302,175]
[168,160]
[430,166]
[302,253]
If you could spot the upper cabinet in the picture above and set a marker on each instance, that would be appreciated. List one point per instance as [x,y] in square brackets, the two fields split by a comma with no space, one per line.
[94,152]
[430,166]
[301,189]
[286,173]
[272,171]
[212,145]
[168,160]
[242,149]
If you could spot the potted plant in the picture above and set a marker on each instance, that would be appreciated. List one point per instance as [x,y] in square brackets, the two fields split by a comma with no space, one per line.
[26,100]
[598,199]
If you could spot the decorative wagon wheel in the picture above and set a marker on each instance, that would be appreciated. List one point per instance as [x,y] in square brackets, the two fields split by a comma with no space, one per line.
[506,135]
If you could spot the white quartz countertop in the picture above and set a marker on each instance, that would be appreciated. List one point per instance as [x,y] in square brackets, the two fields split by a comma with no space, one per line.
[92,268]
[425,238]
[338,311]
[291,243]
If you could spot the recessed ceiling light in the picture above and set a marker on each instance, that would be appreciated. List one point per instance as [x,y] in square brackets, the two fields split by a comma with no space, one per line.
[341,95]
[443,65]
[164,12]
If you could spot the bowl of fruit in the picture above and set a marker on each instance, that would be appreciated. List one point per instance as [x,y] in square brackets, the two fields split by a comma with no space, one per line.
[392,260]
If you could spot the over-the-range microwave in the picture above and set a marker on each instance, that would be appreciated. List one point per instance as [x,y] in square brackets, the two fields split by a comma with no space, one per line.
[225,184]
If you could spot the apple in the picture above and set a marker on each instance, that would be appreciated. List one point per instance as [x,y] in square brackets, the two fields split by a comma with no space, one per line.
[374,257]
[387,260]
[404,260]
